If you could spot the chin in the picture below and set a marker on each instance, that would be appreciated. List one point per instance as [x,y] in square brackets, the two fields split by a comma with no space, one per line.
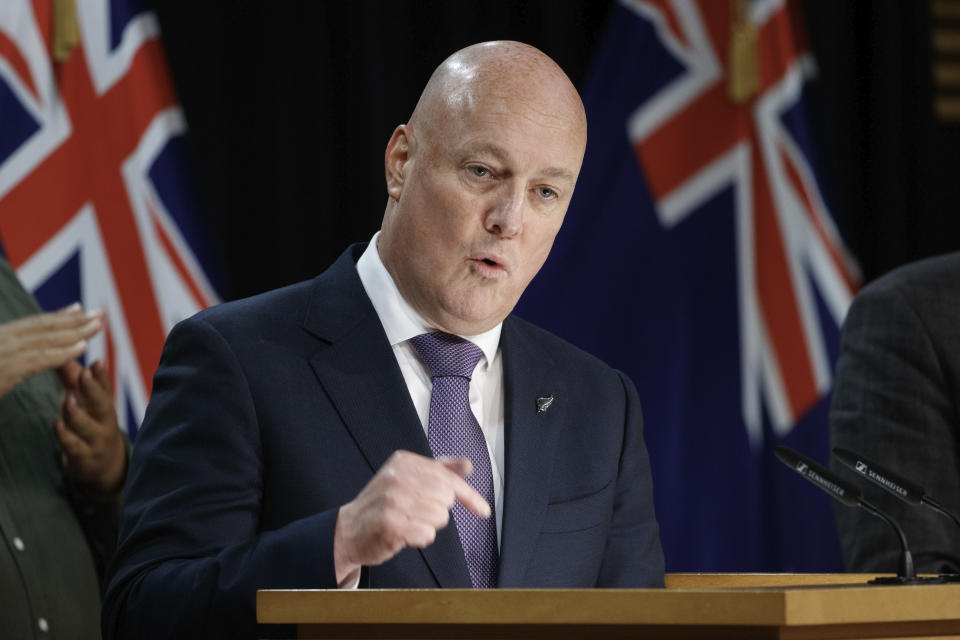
[469,320]
[464,326]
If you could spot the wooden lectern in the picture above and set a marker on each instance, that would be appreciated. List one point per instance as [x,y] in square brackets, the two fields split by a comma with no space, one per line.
[692,606]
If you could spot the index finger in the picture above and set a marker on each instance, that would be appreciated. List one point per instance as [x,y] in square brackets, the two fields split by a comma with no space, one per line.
[69,319]
[463,467]
[466,495]
[95,395]
[102,374]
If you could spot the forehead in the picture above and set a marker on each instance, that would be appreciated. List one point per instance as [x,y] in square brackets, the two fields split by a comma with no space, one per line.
[511,131]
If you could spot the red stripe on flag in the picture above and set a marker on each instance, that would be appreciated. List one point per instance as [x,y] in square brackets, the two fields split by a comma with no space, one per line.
[717,20]
[43,10]
[777,48]
[696,136]
[174,255]
[815,215]
[778,300]
[665,7]
[9,51]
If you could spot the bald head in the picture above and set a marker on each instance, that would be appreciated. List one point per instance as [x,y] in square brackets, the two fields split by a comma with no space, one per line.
[509,73]
[479,181]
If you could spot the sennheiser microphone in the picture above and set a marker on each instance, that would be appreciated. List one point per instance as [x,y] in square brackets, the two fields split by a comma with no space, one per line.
[892,482]
[846,493]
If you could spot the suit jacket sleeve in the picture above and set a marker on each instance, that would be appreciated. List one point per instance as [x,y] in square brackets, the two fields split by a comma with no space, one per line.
[191,553]
[893,403]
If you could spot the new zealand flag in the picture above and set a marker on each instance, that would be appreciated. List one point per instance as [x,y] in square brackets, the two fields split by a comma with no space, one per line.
[95,200]
[699,256]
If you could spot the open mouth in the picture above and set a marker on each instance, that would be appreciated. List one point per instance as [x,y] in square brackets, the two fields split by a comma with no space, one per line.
[490,267]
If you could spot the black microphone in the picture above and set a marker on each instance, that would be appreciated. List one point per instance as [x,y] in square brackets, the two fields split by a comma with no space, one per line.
[893,483]
[844,492]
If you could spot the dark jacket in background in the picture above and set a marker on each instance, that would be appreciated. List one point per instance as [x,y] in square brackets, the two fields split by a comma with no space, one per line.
[896,401]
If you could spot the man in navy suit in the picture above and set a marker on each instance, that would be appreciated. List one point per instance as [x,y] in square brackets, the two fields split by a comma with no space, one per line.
[286,441]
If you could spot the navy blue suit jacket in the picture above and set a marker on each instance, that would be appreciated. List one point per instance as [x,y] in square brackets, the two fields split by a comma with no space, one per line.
[269,413]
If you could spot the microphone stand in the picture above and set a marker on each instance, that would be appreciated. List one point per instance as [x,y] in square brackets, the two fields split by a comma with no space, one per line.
[847,494]
[936,506]
[906,573]
[903,489]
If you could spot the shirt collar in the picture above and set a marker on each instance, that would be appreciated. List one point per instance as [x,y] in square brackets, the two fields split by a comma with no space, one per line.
[400,321]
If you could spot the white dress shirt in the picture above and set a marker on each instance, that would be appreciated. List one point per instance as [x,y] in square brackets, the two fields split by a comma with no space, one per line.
[401,322]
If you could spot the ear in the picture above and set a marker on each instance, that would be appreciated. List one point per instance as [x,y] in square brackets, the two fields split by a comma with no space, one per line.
[395,159]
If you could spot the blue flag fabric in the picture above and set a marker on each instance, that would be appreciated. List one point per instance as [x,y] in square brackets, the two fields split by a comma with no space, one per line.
[96,201]
[699,256]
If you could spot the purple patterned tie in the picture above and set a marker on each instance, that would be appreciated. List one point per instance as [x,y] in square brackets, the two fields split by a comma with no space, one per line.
[452,430]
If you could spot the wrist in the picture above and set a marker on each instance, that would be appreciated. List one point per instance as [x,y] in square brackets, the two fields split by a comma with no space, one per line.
[111,480]
[347,570]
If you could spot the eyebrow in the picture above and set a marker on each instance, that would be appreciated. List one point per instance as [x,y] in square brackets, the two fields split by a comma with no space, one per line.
[504,157]
[557,172]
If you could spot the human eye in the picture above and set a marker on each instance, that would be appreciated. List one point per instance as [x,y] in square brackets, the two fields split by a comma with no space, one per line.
[478,171]
[546,193]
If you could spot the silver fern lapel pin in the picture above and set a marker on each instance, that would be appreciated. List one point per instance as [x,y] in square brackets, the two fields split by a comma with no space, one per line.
[544,402]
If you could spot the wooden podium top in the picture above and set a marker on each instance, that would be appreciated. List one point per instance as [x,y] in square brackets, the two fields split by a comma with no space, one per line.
[824,609]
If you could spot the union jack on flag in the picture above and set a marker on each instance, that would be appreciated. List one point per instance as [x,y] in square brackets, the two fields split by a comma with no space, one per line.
[700,256]
[95,202]
[786,241]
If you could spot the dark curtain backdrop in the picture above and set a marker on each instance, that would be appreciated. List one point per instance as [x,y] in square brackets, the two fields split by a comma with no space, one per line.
[892,167]
[291,104]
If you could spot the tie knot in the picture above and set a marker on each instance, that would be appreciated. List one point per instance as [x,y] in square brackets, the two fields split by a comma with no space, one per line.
[447,355]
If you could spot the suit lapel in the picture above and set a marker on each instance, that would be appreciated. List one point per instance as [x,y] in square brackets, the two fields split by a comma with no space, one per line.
[530,439]
[358,371]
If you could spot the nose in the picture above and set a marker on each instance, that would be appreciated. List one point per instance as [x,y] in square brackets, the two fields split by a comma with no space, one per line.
[505,218]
